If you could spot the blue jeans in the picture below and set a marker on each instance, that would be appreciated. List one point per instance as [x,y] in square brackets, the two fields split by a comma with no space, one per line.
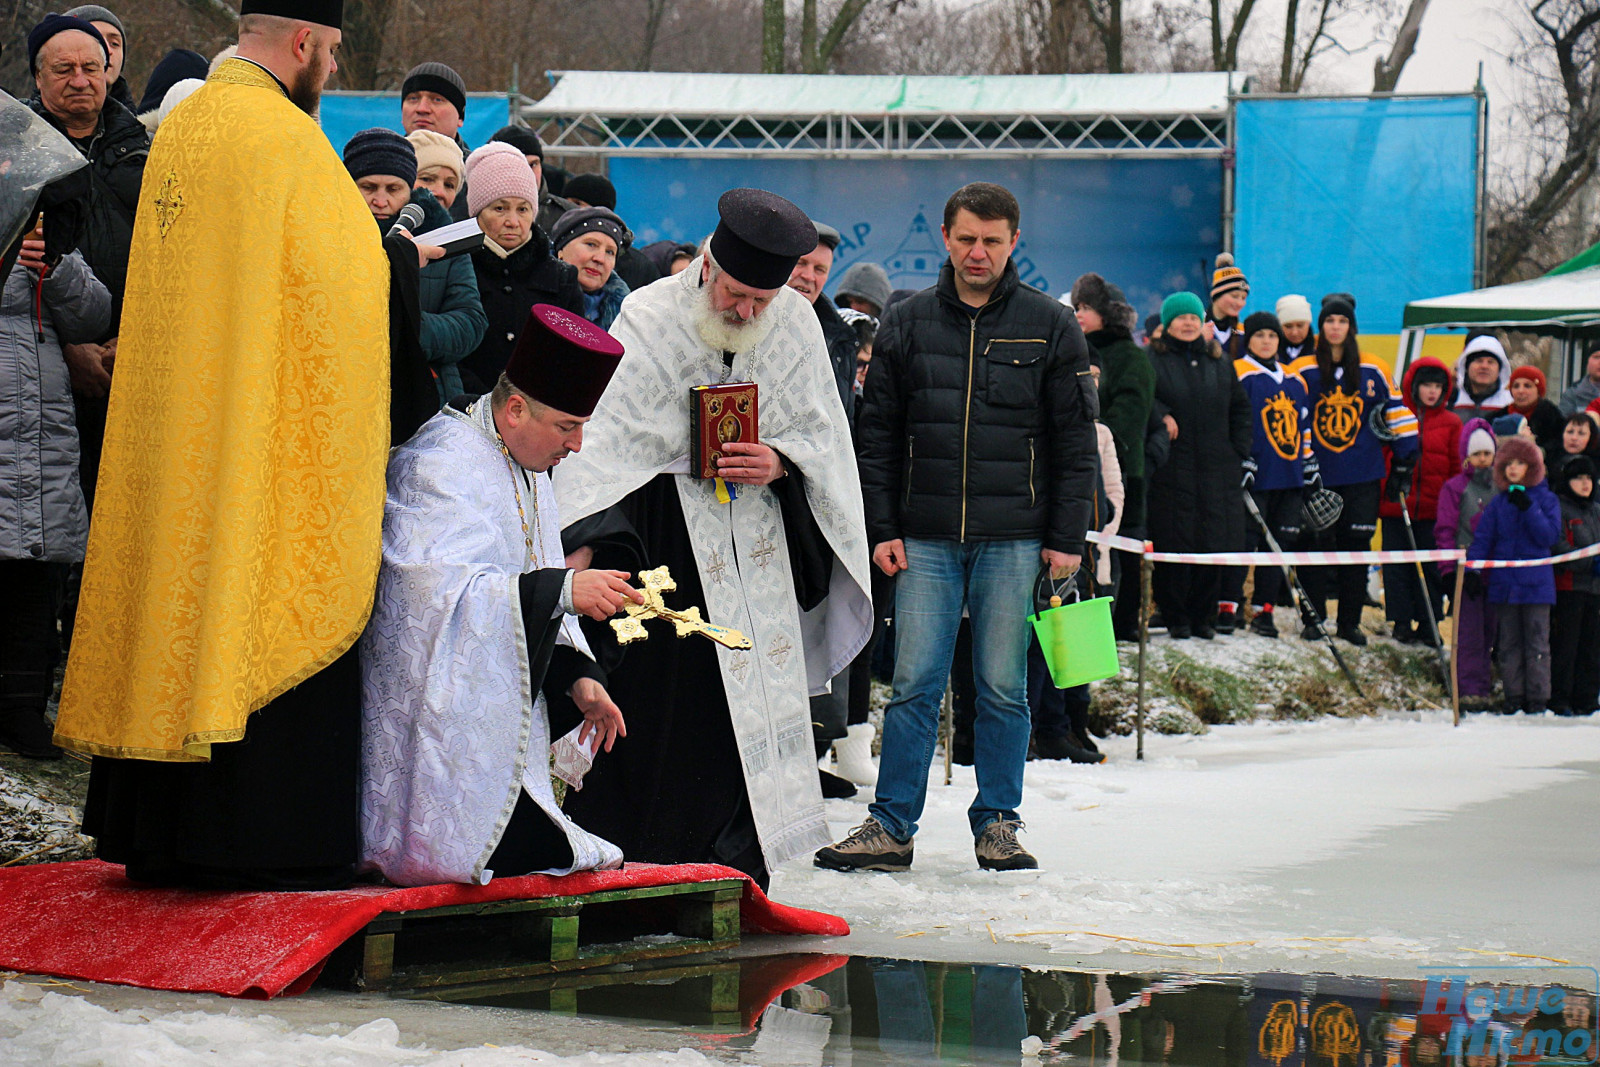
[994,581]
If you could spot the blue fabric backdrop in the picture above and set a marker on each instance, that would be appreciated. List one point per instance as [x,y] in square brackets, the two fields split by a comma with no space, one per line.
[1371,197]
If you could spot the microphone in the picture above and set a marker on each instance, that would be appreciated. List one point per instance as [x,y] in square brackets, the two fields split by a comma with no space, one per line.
[409,219]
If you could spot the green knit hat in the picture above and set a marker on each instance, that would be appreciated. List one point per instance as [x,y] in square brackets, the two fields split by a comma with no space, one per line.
[1180,304]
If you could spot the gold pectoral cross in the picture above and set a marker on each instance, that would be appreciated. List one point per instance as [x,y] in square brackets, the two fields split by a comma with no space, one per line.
[686,622]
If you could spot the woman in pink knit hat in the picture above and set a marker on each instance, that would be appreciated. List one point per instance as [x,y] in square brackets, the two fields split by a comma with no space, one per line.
[514,268]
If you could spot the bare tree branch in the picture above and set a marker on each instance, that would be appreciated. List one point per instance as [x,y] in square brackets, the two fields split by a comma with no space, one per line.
[1386,72]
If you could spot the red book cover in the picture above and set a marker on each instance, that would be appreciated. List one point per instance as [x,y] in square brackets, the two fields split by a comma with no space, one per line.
[719,414]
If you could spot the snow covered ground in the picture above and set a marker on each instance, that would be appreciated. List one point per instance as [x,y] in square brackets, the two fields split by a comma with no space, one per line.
[1363,846]
[1358,846]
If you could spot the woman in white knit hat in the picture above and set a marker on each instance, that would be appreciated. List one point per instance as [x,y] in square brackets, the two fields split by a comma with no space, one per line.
[1294,315]
[439,165]
[514,268]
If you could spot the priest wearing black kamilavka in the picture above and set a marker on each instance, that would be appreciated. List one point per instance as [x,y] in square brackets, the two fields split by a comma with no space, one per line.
[719,764]
[267,361]
[477,679]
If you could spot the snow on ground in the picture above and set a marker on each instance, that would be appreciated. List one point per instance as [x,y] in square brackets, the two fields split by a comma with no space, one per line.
[1297,845]
[48,1029]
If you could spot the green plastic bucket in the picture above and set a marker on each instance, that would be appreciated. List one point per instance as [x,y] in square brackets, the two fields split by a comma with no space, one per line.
[1077,639]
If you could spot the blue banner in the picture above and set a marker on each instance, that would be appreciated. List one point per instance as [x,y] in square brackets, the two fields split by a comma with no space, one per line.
[1374,197]
[1148,225]
[344,114]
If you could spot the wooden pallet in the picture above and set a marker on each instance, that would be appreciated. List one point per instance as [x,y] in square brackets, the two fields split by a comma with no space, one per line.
[507,939]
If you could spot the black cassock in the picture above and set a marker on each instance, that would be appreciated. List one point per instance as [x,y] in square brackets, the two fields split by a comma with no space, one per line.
[279,808]
[673,790]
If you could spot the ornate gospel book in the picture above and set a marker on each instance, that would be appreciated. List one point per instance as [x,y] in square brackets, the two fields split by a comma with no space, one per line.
[719,414]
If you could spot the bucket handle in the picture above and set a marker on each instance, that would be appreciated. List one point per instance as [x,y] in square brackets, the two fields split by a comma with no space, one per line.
[1070,582]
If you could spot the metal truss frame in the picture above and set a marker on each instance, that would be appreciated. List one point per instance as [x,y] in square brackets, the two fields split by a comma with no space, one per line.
[1192,134]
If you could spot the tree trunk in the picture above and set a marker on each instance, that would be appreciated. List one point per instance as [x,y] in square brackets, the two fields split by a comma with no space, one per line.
[1286,70]
[361,53]
[1386,72]
[808,37]
[843,19]
[772,27]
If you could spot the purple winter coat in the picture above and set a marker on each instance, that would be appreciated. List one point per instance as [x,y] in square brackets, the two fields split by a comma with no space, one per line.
[1507,533]
[1459,495]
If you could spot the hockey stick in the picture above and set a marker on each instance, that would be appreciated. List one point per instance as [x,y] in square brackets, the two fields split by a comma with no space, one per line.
[1302,602]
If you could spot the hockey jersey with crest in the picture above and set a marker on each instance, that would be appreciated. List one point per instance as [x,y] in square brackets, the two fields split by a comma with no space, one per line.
[1341,434]
[1280,437]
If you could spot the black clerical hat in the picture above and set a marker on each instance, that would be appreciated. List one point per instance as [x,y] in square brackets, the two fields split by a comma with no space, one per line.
[563,361]
[322,12]
[759,237]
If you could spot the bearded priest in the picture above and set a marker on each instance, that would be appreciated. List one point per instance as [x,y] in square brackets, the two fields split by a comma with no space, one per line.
[474,661]
[720,765]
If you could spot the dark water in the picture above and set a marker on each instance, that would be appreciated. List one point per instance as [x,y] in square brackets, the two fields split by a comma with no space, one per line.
[857,1011]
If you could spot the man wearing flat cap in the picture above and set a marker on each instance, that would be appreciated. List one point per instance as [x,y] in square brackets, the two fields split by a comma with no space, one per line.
[474,663]
[237,529]
[719,764]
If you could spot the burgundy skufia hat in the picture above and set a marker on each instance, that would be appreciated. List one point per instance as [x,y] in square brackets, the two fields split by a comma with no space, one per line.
[563,361]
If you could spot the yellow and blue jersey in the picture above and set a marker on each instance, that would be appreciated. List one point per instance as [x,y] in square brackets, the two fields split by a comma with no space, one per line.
[1341,437]
[1280,436]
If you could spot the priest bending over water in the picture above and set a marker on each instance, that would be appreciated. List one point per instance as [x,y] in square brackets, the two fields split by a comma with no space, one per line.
[474,660]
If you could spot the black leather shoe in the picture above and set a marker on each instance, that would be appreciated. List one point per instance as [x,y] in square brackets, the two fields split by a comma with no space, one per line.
[1205,630]
[1059,746]
[1352,635]
[836,788]
[1227,622]
[1179,631]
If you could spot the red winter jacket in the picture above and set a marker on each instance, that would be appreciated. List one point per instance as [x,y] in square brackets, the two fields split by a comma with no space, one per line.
[1439,434]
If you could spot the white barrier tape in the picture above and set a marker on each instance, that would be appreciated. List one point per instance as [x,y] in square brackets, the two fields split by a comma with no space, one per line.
[1304,559]
[1565,557]
[1318,559]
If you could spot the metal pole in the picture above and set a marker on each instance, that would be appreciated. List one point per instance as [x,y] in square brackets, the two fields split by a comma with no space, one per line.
[948,715]
[1145,568]
[1455,644]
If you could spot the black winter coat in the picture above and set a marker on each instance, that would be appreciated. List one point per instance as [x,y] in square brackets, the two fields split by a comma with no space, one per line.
[509,287]
[977,424]
[1195,503]
[842,348]
[116,154]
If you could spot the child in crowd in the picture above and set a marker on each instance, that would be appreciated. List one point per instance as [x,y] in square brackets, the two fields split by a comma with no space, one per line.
[1280,463]
[1461,503]
[1426,390]
[1575,623]
[1522,521]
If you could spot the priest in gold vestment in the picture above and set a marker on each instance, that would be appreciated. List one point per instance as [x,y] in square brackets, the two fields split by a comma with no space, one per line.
[234,552]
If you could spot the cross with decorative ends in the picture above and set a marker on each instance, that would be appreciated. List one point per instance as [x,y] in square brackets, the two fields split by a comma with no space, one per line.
[717,566]
[169,203]
[778,653]
[763,552]
[686,622]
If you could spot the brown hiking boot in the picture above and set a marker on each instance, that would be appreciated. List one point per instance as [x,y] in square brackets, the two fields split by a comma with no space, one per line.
[998,849]
[868,847]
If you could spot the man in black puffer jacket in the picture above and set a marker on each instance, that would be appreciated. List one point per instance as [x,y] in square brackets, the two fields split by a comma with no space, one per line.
[978,461]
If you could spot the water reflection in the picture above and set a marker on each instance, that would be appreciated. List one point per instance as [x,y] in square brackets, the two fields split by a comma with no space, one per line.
[812,1011]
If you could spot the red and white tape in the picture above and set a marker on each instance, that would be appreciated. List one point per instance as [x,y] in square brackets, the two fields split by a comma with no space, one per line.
[1315,559]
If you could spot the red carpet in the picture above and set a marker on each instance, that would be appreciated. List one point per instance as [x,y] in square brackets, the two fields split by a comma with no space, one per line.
[85,920]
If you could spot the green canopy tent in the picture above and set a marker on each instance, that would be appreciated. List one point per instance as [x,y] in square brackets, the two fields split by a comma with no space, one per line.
[1590,257]
[1564,304]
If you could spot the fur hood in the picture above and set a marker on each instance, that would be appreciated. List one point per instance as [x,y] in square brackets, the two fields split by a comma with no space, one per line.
[1518,448]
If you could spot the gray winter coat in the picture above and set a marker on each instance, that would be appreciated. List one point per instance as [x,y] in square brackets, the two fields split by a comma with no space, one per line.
[42,515]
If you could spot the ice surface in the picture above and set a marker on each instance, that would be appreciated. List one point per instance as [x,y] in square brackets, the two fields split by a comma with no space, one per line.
[1359,845]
